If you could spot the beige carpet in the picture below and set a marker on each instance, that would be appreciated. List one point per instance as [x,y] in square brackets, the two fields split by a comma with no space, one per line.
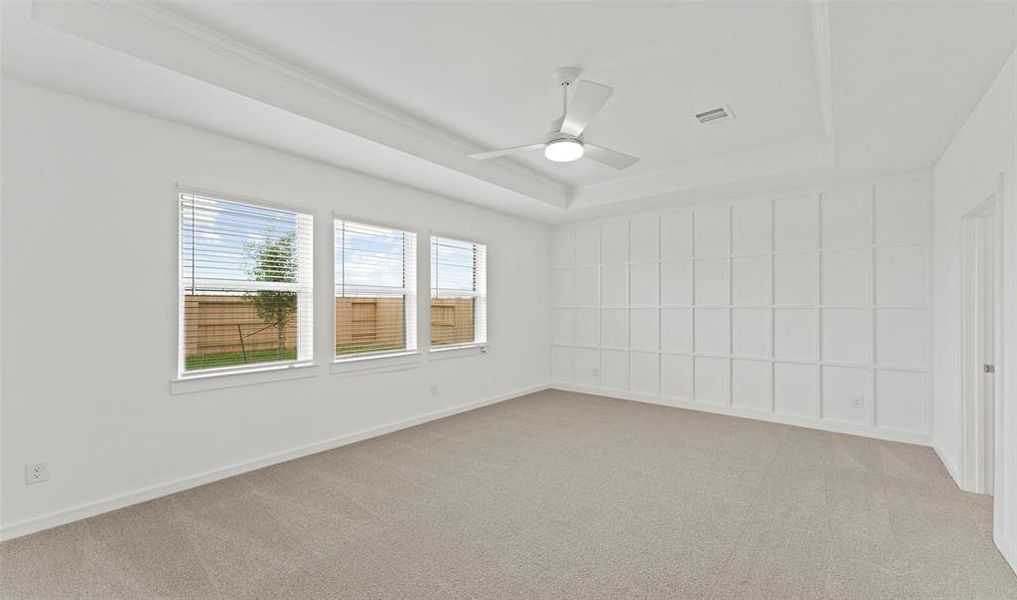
[554,495]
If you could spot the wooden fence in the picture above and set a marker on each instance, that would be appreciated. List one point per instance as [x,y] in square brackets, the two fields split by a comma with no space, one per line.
[369,324]
[215,324]
[451,321]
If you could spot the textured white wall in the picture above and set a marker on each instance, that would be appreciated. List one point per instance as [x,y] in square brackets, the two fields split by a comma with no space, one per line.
[783,308]
[90,303]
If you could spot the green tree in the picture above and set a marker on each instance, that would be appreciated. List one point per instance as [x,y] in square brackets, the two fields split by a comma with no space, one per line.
[274,260]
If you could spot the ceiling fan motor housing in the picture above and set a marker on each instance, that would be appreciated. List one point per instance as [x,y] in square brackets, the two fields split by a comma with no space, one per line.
[566,75]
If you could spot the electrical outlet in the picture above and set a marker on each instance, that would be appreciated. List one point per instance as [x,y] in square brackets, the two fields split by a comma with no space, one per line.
[595,373]
[434,391]
[858,401]
[36,473]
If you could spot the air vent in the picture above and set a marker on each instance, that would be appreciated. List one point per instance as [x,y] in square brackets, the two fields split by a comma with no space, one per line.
[720,113]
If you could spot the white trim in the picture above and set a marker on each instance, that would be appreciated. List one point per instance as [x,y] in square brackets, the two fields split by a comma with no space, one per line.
[820,10]
[879,433]
[357,218]
[201,381]
[456,294]
[105,505]
[481,319]
[1003,435]
[214,193]
[408,291]
[919,175]
[803,153]
[453,238]
[458,350]
[303,288]
[865,420]
[240,285]
[381,362]
[973,224]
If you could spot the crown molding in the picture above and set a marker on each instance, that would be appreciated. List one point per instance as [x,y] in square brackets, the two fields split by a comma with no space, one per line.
[157,35]
[777,193]
[762,161]
[821,49]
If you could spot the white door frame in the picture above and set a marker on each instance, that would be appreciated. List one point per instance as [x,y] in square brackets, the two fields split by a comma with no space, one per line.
[983,230]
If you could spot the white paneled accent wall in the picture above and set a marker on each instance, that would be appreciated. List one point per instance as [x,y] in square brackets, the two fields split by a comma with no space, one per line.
[809,308]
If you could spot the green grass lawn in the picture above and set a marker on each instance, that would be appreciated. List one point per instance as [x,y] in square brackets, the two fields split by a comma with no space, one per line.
[232,359]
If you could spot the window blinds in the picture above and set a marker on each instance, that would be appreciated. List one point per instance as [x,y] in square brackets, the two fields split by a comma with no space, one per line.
[375,289]
[458,292]
[245,284]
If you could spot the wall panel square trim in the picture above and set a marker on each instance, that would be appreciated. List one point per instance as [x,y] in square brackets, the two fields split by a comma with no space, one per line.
[804,307]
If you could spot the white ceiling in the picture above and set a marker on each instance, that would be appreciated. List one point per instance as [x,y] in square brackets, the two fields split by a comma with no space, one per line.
[405,90]
[484,71]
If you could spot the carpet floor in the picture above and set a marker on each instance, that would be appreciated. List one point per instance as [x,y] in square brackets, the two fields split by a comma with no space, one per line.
[552,495]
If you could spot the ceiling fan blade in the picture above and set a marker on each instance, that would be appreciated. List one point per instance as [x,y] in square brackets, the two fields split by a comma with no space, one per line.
[586,102]
[611,158]
[504,151]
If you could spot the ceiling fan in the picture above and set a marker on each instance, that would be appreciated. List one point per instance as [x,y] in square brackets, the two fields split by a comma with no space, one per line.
[565,142]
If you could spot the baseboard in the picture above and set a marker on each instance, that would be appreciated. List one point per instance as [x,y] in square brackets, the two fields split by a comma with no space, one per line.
[1008,549]
[951,466]
[92,509]
[880,433]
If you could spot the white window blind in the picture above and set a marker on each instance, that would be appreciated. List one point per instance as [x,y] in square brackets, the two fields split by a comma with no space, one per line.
[245,285]
[458,292]
[375,290]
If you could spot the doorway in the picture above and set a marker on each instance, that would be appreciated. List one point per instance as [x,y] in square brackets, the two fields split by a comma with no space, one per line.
[982,275]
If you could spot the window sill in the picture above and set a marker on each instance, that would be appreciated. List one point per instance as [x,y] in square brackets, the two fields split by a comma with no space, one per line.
[200,382]
[457,351]
[398,361]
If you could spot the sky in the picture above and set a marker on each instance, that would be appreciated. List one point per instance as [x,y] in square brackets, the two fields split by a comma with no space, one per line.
[452,265]
[217,235]
[366,255]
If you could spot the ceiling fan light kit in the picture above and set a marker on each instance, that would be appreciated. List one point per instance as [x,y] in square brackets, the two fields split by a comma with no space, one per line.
[565,143]
[563,150]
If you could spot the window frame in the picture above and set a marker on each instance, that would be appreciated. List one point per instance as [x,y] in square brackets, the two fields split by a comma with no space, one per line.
[481,324]
[213,378]
[411,317]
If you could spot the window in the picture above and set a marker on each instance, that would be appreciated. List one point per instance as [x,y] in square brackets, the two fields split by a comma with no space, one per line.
[375,290]
[458,293]
[245,285]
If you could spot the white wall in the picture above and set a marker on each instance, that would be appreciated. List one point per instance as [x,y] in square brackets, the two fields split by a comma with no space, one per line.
[783,308]
[965,176]
[90,301]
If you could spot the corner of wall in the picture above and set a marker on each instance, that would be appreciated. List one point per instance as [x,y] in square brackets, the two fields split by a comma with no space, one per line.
[1008,548]
[951,467]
